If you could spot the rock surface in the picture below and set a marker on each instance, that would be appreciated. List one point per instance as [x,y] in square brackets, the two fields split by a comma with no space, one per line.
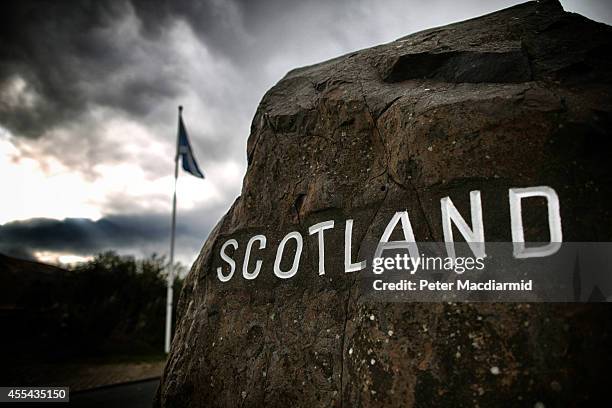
[520,97]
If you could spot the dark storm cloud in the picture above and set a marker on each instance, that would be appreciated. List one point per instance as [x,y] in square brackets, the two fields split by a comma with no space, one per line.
[141,234]
[60,49]
[63,49]
[60,61]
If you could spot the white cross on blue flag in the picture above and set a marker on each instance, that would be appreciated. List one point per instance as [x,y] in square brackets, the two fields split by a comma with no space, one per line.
[186,153]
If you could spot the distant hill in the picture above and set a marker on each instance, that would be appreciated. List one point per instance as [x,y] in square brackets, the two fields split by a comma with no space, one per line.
[17,276]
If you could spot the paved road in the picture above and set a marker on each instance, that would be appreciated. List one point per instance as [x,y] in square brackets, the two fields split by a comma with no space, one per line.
[135,395]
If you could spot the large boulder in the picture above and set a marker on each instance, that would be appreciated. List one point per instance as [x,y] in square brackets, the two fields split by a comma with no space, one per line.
[520,97]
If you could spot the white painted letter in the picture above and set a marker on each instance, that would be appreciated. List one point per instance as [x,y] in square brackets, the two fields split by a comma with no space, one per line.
[296,259]
[348,237]
[475,236]
[230,261]
[409,241]
[516,218]
[245,266]
[319,228]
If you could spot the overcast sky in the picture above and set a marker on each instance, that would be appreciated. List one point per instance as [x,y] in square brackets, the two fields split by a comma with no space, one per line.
[88,106]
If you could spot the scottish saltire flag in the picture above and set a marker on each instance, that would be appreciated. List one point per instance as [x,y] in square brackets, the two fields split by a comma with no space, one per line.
[185,152]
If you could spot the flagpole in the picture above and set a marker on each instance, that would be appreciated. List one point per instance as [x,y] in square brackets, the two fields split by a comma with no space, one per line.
[170,290]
